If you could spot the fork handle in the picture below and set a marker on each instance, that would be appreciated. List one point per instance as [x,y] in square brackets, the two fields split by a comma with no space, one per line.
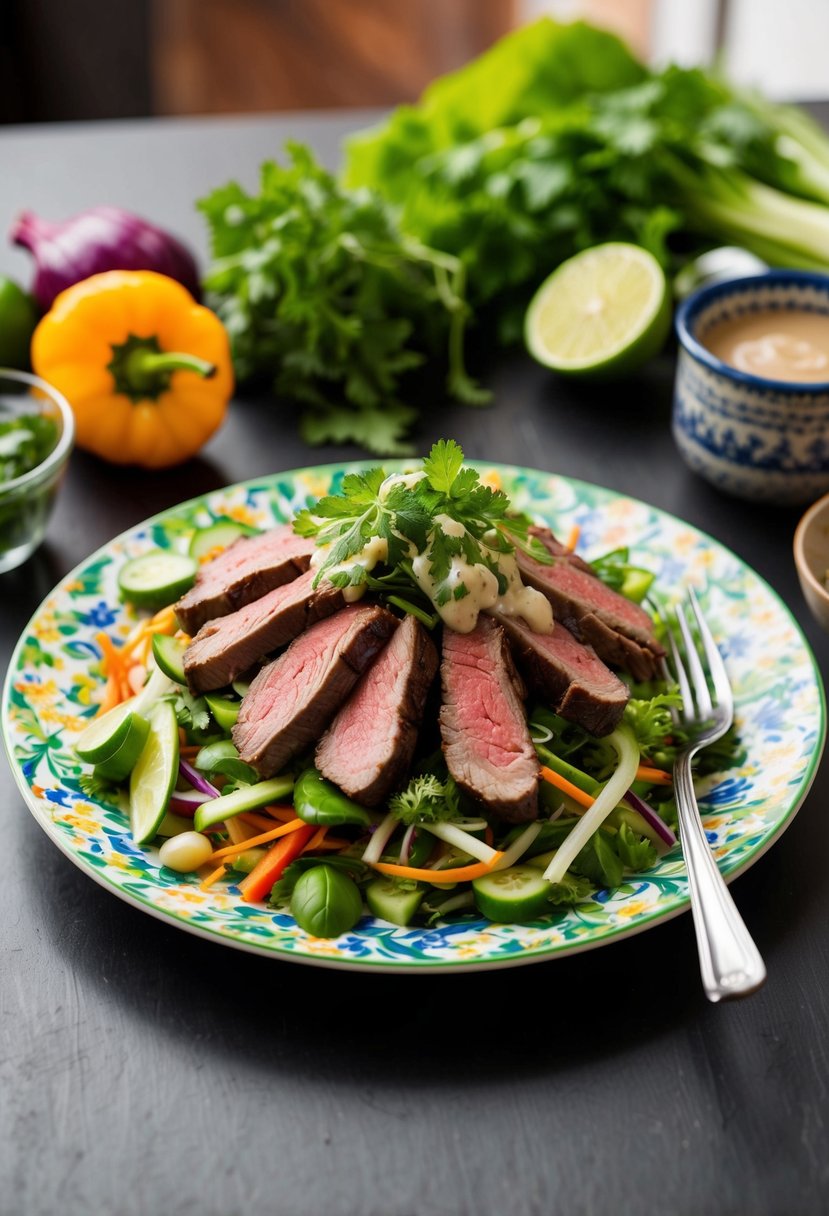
[729,961]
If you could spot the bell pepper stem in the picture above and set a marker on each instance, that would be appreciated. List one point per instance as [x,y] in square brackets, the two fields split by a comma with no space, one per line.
[144,366]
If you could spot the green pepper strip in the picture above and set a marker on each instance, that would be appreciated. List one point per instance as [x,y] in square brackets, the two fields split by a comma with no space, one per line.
[569,772]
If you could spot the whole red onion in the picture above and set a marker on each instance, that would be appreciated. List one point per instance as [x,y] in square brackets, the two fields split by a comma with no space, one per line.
[103,238]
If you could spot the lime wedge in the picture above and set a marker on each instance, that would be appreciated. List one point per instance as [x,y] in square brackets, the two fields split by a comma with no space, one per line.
[154,776]
[119,765]
[603,312]
[105,734]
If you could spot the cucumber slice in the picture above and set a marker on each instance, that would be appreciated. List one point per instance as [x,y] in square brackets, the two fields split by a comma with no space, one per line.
[240,687]
[515,894]
[120,763]
[156,578]
[169,656]
[247,861]
[224,711]
[105,734]
[153,778]
[217,810]
[388,901]
[217,536]
[174,825]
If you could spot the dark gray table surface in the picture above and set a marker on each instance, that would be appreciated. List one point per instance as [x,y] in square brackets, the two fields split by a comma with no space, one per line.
[143,1070]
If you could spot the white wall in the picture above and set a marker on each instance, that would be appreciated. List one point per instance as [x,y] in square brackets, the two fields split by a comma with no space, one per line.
[782,46]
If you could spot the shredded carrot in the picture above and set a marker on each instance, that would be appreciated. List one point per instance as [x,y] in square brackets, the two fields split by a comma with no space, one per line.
[189,749]
[111,697]
[112,655]
[164,620]
[573,537]
[232,849]
[656,776]
[212,877]
[316,840]
[332,843]
[266,872]
[136,638]
[439,877]
[263,822]
[567,787]
[284,813]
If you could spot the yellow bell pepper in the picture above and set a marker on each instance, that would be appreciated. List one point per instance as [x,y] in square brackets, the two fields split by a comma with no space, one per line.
[146,369]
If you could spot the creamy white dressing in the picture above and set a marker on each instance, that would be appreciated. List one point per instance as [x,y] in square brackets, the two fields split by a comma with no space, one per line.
[398,479]
[520,600]
[480,582]
[375,550]
[450,526]
[482,592]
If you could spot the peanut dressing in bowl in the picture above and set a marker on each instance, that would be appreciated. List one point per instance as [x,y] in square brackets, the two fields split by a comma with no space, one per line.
[789,345]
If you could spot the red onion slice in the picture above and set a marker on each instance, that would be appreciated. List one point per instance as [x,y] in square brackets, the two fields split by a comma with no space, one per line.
[651,818]
[191,774]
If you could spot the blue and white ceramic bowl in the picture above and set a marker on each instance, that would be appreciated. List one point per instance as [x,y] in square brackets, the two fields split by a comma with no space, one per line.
[760,439]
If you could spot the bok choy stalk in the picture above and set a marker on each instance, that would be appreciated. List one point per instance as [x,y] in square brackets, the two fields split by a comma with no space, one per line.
[624,742]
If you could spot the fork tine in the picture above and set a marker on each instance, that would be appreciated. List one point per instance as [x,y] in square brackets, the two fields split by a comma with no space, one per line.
[716,666]
[669,678]
[701,693]
[681,678]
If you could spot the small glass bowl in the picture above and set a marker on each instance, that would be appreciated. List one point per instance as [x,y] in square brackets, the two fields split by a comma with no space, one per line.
[26,501]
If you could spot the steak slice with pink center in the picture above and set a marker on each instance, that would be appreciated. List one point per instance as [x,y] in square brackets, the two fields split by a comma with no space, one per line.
[245,571]
[486,740]
[568,676]
[293,699]
[229,645]
[368,748]
[620,631]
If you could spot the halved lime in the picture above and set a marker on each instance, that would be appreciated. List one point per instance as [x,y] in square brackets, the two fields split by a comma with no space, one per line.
[154,776]
[602,313]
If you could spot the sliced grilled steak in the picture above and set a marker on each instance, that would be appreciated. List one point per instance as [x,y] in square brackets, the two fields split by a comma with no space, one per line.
[229,645]
[620,631]
[293,699]
[569,676]
[368,747]
[248,569]
[486,740]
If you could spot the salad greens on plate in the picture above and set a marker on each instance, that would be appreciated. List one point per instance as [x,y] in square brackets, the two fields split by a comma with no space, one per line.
[431,852]
[58,675]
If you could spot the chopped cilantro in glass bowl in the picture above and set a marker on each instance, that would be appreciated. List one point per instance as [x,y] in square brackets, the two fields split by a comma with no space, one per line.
[36,432]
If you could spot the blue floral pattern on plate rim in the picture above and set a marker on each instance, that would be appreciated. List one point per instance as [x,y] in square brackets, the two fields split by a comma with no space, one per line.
[54,676]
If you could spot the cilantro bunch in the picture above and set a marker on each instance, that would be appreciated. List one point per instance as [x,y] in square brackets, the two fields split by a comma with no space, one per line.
[321,293]
[411,520]
[558,139]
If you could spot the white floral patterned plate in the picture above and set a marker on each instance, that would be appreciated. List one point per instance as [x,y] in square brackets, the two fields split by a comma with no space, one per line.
[54,678]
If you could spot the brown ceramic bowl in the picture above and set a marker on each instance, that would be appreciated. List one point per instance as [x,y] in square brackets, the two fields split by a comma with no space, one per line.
[811,557]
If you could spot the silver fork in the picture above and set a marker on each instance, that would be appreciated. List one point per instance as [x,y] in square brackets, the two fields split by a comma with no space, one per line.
[730,963]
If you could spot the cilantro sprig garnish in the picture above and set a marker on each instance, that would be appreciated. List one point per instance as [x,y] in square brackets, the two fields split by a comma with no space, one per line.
[416,518]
